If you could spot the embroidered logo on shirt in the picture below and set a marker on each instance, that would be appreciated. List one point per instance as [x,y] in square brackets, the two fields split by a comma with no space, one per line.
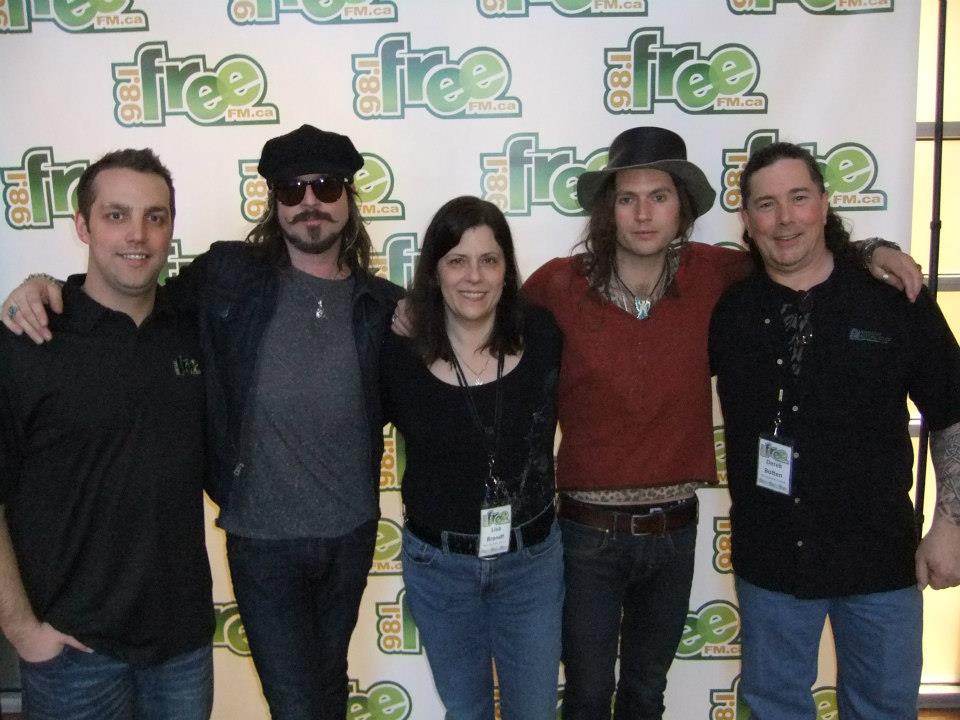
[870,336]
[184,366]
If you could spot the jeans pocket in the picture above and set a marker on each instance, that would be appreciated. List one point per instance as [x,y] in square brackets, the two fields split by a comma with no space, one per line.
[417,551]
[582,540]
[49,662]
[549,544]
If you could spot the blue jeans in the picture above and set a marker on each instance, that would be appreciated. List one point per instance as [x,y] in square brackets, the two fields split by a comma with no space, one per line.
[89,686]
[298,600]
[635,588]
[473,610]
[878,642]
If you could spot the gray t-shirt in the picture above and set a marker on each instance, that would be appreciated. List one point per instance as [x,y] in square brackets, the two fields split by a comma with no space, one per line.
[305,430]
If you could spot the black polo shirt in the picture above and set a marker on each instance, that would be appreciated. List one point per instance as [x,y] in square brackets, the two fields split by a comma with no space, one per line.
[101,475]
[847,527]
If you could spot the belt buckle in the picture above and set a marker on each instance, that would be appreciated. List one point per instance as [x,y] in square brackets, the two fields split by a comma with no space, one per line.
[659,512]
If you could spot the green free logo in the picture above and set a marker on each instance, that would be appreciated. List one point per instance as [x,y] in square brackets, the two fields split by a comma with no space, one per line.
[727,704]
[373,183]
[175,261]
[817,7]
[155,85]
[397,634]
[719,439]
[711,633]
[322,12]
[75,16]
[570,8]
[229,632]
[849,171]
[381,701]
[722,562]
[648,71]
[523,174]
[386,551]
[394,459]
[396,262]
[396,76]
[39,190]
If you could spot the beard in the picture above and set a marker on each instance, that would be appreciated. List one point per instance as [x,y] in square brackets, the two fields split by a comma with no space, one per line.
[318,239]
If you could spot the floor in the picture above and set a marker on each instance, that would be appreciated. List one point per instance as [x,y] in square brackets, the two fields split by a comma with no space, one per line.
[924,715]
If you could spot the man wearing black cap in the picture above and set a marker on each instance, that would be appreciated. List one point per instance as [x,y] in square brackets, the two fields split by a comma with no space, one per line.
[291,322]
[635,412]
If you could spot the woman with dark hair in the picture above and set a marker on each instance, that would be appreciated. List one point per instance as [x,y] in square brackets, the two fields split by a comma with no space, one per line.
[473,391]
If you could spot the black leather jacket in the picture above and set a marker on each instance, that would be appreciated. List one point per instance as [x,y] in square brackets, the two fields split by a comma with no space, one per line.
[234,291]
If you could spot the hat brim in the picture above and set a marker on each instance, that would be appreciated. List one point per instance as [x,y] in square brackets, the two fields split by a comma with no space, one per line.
[589,183]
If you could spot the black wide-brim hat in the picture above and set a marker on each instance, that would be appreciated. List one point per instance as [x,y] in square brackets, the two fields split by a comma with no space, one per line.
[308,150]
[649,147]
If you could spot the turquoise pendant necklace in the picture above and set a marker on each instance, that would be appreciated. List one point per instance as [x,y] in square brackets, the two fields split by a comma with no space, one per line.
[642,305]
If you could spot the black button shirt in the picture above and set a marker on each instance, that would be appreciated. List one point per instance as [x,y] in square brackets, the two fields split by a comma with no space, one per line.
[847,526]
[101,472]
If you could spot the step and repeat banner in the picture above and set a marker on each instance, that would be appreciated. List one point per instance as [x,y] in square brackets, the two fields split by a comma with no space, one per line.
[506,99]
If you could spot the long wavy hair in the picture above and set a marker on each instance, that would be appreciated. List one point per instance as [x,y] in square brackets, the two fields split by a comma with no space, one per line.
[835,232]
[599,242]
[267,236]
[426,305]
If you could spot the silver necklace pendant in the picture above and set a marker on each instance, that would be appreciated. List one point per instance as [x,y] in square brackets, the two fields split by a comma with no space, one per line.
[642,307]
[320,314]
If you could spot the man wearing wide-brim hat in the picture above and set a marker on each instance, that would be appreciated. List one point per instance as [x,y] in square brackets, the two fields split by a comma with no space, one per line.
[636,416]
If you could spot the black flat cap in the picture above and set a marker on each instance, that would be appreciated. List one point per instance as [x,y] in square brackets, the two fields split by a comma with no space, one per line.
[308,150]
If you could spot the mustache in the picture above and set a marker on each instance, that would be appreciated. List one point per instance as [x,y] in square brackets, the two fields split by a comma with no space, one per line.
[311,215]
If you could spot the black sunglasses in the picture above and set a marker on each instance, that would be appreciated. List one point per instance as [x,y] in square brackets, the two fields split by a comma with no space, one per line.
[326,189]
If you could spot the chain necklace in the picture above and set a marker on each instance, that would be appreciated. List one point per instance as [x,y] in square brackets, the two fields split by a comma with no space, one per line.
[319,312]
[642,305]
[477,375]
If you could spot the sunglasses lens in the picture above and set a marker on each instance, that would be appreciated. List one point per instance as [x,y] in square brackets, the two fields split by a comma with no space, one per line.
[327,189]
[290,193]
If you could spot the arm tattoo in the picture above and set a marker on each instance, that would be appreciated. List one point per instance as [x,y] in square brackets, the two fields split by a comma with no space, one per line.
[945,451]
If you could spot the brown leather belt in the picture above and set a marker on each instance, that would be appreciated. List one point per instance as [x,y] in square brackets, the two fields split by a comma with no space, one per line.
[657,520]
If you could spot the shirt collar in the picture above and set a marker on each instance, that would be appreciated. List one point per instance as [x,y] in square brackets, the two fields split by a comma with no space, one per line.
[85,312]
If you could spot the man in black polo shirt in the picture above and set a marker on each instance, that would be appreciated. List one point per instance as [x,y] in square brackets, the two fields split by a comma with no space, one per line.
[105,590]
[814,363]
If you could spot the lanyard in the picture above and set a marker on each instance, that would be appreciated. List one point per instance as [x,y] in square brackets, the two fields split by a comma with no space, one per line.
[490,435]
[778,420]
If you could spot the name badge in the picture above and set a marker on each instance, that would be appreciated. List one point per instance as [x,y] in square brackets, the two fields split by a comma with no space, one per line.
[775,464]
[494,530]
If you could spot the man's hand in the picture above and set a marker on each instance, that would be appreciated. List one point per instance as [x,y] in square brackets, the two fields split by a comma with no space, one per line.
[23,311]
[938,557]
[41,641]
[401,320]
[898,269]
